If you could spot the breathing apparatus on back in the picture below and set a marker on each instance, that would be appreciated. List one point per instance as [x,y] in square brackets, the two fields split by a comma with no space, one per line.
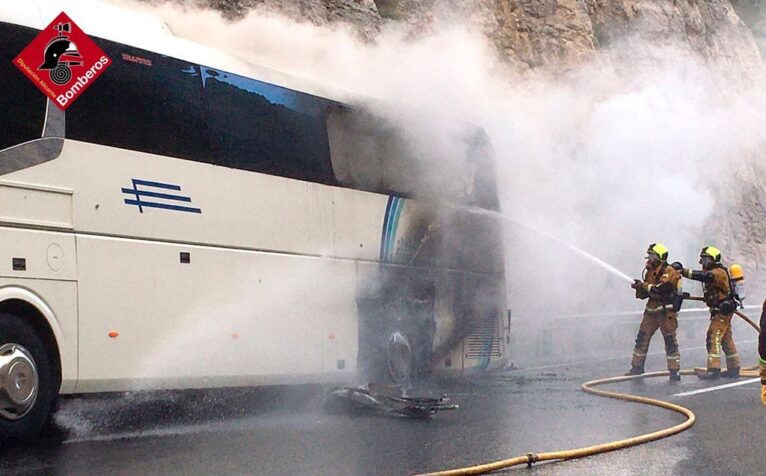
[737,283]
[735,274]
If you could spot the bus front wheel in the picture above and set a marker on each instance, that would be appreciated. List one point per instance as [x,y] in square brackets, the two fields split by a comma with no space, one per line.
[27,382]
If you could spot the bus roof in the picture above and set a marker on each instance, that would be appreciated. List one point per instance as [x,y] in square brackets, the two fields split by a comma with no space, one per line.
[143,30]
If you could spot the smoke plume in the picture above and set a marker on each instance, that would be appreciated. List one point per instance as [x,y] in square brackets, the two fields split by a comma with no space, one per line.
[639,145]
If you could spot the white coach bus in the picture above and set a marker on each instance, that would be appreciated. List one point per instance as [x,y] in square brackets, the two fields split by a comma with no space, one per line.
[183,226]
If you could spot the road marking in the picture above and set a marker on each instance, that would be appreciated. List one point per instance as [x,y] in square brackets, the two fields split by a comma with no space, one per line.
[719,387]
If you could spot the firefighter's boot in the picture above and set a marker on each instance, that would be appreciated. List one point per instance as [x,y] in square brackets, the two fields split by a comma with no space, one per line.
[675,376]
[711,374]
[731,373]
[634,370]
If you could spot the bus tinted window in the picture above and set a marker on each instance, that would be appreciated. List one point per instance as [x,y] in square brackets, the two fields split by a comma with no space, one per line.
[152,103]
[22,104]
[144,102]
[265,128]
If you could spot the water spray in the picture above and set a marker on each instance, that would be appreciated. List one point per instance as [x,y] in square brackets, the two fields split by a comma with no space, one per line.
[593,259]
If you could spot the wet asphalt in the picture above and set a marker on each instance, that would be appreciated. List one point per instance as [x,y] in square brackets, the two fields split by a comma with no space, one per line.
[288,430]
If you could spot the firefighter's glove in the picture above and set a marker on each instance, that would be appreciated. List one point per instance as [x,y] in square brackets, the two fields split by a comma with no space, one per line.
[637,284]
[677,266]
[763,394]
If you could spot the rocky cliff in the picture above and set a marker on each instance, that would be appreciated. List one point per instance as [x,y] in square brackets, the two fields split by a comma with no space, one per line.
[535,33]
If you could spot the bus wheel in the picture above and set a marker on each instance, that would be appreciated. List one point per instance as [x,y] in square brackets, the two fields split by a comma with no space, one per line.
[27,382]
[399,357]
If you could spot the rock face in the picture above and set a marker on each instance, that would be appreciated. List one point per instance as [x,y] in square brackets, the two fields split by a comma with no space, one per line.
[361,14]
[535,33]
[555,32]
[538,33]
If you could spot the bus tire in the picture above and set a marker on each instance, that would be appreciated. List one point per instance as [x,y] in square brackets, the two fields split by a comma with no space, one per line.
[28,392]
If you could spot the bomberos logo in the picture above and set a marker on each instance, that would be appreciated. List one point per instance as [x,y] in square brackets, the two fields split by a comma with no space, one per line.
[62,61]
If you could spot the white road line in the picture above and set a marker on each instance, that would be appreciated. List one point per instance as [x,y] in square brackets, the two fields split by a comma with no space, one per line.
[719,387]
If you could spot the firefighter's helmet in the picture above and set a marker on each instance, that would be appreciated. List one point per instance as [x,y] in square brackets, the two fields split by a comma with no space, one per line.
[712,252]
[658,249]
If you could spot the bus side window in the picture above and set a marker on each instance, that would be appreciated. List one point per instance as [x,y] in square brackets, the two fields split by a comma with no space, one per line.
[266,128]
[22,104]
[144,102]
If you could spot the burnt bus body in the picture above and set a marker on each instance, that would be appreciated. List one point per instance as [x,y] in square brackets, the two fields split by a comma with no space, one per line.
[437,301]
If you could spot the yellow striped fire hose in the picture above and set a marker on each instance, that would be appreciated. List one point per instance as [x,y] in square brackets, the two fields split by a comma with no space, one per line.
[588,387]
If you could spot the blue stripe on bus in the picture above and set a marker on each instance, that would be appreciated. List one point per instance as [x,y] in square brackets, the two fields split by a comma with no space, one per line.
[154,194]
[394,209]
[395,226]
[389,223]
[384,232]
[144,193]
[156,184]
[162,205]
[390,228]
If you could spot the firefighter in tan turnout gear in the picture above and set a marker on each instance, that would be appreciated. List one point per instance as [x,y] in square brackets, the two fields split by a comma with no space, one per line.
[718,297]
[659,284]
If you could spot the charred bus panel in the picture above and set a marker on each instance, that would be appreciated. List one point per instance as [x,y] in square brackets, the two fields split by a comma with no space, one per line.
[436,299]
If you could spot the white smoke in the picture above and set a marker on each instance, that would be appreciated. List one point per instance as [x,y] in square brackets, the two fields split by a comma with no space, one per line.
[610,157]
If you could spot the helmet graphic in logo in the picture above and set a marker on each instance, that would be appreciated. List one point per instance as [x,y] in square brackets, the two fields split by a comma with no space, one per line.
[60,55]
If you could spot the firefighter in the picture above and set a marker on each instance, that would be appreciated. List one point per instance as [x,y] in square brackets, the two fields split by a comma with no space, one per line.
[718,297]
[762,353]
[659,284]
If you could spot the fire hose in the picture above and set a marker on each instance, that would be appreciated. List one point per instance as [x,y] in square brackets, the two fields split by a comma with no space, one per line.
[530,458]
[738,313]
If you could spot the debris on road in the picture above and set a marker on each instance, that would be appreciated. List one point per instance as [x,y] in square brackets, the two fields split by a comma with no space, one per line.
[386,401]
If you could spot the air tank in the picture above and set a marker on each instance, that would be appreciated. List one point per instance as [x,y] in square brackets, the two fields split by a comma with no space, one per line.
[738,281]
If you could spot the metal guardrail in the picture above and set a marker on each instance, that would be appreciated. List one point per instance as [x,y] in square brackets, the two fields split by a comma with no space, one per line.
[616,318]
[536,341]
[638,312]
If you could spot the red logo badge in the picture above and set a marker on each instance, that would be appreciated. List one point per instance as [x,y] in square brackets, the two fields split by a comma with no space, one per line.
[62,61]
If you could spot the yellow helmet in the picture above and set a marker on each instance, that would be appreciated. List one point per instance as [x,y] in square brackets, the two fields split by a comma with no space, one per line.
[712,252]
[659,249]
